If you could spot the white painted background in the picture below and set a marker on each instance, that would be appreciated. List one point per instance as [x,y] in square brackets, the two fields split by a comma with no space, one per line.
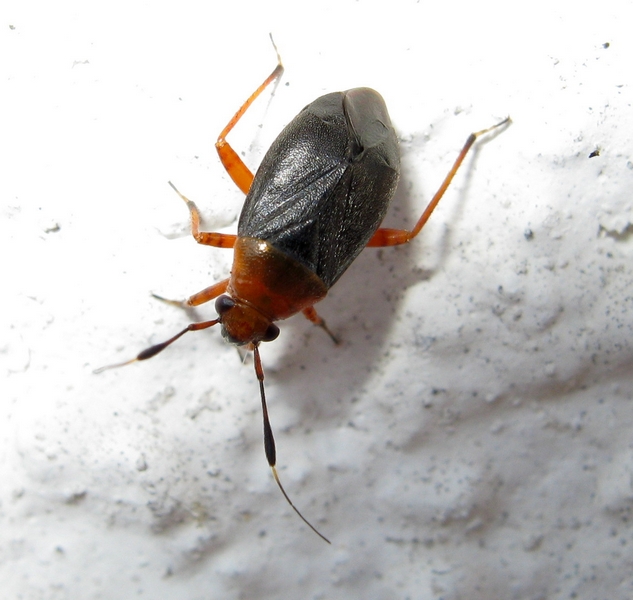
[472,436]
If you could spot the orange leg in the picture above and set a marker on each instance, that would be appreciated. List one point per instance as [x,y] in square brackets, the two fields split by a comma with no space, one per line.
[209,293]
[395,237]
[208,238]
[311,314]
[233,164]
[238,171]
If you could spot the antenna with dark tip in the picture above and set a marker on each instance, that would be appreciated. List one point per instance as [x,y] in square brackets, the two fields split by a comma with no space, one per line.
[154,350]
[269,442]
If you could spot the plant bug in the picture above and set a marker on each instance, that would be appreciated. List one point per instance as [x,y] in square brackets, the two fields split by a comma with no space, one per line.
[316,201]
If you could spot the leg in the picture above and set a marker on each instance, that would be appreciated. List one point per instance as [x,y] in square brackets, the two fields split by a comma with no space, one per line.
[311,314]
[209,293]
[233,164]
[208,238]
[395,237]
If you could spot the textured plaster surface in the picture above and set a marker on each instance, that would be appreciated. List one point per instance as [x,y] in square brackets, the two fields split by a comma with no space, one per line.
[469,439]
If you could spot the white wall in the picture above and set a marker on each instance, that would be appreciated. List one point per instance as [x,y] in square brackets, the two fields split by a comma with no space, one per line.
[471,438]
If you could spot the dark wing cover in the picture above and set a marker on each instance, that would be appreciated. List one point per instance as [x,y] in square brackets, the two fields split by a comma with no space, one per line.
[325,184]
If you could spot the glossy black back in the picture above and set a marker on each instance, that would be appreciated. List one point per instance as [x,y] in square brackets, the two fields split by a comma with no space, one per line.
[326,182]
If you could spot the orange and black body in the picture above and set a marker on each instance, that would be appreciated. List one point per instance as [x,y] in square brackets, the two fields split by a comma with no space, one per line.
[317,200]
[321,192]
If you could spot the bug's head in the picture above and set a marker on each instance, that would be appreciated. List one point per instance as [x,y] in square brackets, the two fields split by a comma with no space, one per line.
[242,324]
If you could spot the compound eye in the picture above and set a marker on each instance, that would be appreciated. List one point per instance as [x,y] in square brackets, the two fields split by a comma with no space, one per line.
[223,304]
[271,333]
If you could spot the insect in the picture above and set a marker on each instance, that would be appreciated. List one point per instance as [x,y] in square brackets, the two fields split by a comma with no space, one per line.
[316,201]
